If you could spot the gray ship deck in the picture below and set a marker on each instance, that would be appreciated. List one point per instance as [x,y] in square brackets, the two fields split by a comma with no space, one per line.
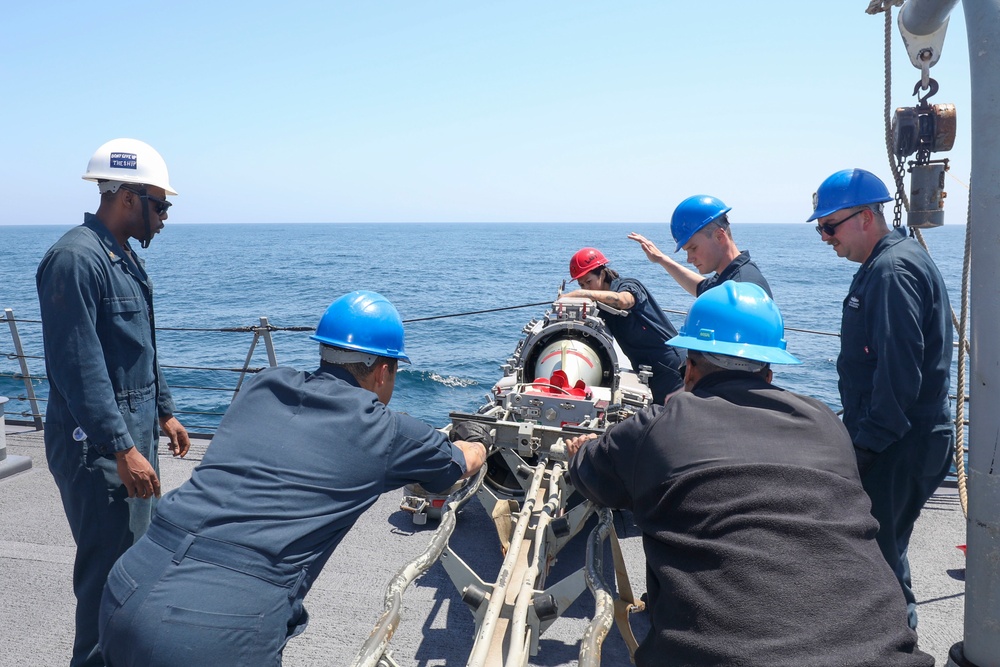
[36,555]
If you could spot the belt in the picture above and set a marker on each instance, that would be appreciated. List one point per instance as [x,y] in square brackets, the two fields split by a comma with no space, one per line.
[224,554]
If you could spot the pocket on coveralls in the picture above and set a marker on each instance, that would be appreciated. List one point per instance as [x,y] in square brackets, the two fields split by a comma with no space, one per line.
[210,638]
[125,320]
[117,591]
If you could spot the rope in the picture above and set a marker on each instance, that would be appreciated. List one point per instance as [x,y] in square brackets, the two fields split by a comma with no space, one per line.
[244,329]
[963,493]
[248,369]
[960,324]
[897,175]
[878,6]
[835,334]
[476,312]
[15,355]
[251,329]
[19,376]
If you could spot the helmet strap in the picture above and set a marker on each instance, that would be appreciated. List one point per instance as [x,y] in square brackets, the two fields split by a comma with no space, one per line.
[143,197]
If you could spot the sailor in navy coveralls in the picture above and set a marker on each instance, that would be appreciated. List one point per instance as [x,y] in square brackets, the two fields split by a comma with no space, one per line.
[894,363]
[220,577]
[107,395]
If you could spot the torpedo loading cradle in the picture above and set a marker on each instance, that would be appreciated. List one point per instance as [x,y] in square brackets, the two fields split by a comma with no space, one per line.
[567,377]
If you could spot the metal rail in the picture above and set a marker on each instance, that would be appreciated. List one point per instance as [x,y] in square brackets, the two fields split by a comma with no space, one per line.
[28,389]
[512,611]
[261,333]
[597,629]
[375,649]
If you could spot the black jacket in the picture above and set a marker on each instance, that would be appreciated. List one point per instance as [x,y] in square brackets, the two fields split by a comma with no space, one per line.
[759,543]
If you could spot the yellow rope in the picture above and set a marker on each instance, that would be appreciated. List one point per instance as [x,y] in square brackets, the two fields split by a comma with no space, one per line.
[963,493]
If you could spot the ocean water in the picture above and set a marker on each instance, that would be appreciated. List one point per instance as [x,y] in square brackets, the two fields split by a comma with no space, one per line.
[210,277]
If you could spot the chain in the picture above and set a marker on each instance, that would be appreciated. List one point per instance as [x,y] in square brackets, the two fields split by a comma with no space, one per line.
[897,208]
[897,169]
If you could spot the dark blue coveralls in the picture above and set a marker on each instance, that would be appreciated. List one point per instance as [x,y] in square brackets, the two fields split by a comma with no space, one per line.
[642,333]
[219,578]
[742,270]
[894,367]
[100,356]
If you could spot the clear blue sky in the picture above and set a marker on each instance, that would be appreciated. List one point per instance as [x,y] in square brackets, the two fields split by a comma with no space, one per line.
[456,110]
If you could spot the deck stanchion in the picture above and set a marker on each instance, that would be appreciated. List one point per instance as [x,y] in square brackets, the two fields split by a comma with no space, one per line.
[265,329]
[9,465]
[23,362]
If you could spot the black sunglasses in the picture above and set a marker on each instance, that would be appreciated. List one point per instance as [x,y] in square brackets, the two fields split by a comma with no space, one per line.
[830,230]
[161,205]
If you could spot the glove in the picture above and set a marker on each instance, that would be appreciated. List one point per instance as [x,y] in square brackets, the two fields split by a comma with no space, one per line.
[866,459]
[472,432]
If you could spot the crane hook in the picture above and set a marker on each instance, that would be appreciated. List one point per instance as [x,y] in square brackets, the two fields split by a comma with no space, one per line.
[932,85]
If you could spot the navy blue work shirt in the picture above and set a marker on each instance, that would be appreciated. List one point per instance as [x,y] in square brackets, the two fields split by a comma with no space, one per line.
[644,330]
[296,460]
[742,270]
[895,345]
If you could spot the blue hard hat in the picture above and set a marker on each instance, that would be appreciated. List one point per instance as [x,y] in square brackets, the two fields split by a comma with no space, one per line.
[736,320]
[692,214]
[364,322]
[848,188]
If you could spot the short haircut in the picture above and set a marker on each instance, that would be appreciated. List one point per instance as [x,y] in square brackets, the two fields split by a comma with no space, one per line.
[722,222]
[361,371]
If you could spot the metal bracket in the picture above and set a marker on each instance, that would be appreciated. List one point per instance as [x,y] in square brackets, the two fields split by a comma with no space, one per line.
[565,592]
[463,576]
[924,50]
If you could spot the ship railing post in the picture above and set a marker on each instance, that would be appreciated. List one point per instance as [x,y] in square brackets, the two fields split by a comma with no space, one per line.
[265,329]
[36,415]
[246,363]
[9,465]
[262,331]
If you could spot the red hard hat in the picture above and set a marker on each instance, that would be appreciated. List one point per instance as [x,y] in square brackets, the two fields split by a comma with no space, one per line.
[585,261]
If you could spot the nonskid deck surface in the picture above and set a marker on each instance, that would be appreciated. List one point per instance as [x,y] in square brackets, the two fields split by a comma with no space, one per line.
[36,556]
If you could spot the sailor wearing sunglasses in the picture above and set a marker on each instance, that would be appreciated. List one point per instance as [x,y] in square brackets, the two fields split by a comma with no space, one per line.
[108,400]
[895,360]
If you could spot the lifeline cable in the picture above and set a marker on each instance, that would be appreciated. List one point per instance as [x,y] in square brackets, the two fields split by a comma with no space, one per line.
[476,312]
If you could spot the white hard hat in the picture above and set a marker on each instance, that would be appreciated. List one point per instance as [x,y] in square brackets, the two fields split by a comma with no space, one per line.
[128,161]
